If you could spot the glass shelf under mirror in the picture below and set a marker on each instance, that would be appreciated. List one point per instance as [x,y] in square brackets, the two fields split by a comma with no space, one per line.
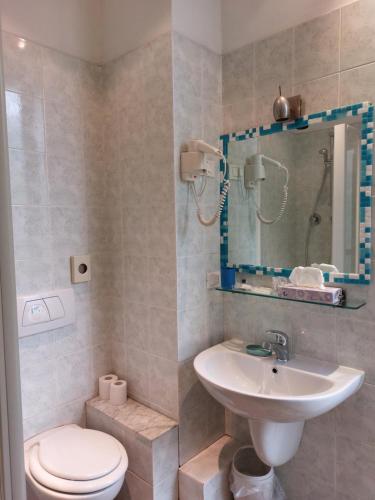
[349,303]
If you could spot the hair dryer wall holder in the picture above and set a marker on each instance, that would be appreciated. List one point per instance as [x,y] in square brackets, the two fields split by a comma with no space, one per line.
[195,164]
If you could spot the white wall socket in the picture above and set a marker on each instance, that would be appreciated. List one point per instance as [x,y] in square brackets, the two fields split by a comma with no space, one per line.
[80,268]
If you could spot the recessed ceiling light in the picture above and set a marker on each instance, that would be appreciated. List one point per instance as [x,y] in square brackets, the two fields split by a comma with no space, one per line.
[21,43]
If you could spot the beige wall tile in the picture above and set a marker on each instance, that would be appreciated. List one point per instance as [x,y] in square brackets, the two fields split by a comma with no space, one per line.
[355,469]
[273,65]
[357,34]
[68,231]
[167,489]
[162,325]
[314,458]
[320,94]
[189,488]
[192,332]
[62,77]
[315,336]
[357,85]
[316,51]
[239,116]
[25,122]
[211,76]
[165,460]
[355,417]
[22,65]
[64,133]
[28,177]
[136,325]
[60,169]
[163,385]
[199,427]
[354,346]
[238,75]
[32,274]
[138,369]
[31,233]
[192,394]
[120,359]
[74,377]
[134,487]
[187,66]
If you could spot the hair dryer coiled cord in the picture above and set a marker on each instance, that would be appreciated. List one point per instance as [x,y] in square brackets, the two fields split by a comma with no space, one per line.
[223,197]
[283,202]
[215,217]
[281,213]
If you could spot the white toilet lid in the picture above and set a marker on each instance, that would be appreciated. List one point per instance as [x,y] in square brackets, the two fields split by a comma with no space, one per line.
[79,454]
[62,458]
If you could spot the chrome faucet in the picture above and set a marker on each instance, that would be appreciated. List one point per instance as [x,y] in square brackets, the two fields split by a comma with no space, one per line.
[279,343]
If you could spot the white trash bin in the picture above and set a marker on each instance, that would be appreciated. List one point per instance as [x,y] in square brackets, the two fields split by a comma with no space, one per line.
[251,479]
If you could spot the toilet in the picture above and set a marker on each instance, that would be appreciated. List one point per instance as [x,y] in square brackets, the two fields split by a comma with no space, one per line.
[70,462]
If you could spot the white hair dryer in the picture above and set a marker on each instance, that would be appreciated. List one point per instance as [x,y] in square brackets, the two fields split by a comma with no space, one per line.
[200,159]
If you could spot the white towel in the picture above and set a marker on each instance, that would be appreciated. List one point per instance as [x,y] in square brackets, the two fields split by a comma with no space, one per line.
[326,268]
[309,277]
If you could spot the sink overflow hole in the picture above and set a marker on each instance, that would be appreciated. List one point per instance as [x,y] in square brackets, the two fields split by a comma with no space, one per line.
[274,370]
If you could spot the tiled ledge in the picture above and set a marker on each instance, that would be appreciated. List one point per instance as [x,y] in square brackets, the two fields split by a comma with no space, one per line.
[136,417]
[151,442]
[206,476]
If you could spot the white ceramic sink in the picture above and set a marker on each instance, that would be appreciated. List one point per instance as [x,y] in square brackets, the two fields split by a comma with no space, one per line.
[276,397]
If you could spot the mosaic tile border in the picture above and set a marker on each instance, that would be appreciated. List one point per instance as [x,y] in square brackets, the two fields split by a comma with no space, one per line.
[366,110]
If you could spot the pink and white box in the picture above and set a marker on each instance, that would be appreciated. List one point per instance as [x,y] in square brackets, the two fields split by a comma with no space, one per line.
[326,295]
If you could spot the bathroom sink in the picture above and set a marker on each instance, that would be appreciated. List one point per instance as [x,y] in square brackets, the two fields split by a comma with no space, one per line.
[262,388]
[276,397]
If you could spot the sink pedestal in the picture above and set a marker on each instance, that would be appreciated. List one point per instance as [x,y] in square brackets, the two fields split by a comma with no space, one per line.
[275,442]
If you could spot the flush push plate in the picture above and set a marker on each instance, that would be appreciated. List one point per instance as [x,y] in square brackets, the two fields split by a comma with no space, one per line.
[44,312]
[35,312]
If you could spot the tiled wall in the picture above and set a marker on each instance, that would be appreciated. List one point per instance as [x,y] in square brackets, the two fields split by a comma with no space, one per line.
[60,208]
[122,200]
[91,160]
[330,61]
[138,94]
[95,168]
[197,114]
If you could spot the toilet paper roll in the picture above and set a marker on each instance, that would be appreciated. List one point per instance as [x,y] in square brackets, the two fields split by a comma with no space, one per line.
[105,383]
[118,392]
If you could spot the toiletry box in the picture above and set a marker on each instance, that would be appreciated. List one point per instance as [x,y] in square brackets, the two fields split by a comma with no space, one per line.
[327,295]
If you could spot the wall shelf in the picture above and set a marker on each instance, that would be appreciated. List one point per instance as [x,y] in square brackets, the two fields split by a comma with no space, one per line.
[349,304]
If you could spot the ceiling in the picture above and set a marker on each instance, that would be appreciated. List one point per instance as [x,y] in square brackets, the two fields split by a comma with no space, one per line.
[101,30]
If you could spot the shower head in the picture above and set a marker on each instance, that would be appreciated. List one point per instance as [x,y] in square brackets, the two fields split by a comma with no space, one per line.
[326,159]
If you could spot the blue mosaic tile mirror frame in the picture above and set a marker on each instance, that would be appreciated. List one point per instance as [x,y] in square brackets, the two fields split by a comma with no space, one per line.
[366,111]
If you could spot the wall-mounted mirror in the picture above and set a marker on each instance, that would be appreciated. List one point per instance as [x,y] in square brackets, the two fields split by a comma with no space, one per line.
[301,195]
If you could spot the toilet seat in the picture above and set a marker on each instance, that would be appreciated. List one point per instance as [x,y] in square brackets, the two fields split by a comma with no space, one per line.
[72,453]
[75,461]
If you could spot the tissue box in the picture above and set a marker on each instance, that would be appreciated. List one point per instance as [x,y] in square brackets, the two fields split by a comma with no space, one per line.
[327,295]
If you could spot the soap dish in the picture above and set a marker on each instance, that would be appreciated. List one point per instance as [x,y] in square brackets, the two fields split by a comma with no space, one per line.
[258,350]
